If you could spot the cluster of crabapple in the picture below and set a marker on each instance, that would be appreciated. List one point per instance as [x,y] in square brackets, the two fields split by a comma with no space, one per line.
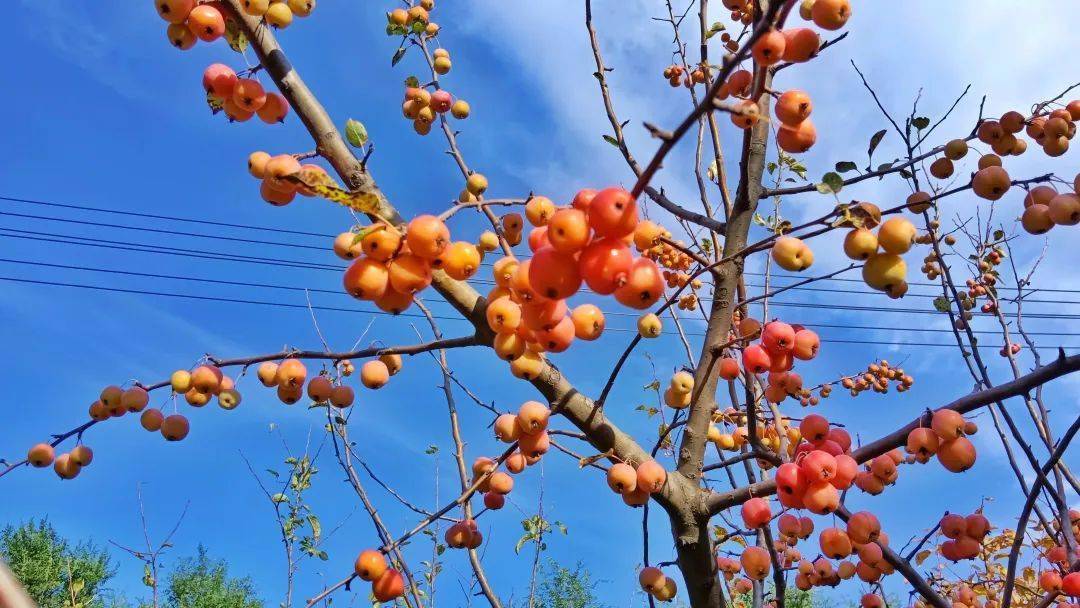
[194,20]
[672,258]
[1052,131]
[678,394]
[190,21]
[766,433]
[780,345]
[242,98]
[389,268]
[416,19]
[877,378]
[1045,208]
[677,75]
[881,471]
[821,467]
[862,538]
[1058,578]
[946,438]
[883,269]
[660,586]
[66,466]
[796,132]
[529,429]
[636,484]
[932,262]
[586,242]
[387,584]
[963,596]
[277,173]
[421,106]
[965,535]
[288,376]
[278,13]
[197,386]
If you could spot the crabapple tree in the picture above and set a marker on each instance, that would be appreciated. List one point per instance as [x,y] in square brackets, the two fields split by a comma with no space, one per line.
[744,403]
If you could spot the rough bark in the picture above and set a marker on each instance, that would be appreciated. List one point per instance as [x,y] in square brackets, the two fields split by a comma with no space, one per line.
[694,547]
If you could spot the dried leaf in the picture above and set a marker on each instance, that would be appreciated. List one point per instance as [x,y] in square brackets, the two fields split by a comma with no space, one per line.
[216,104]
[235,37]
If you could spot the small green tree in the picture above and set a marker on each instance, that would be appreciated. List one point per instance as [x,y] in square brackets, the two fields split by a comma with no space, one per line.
[564,587]
[202,582]
[55,573]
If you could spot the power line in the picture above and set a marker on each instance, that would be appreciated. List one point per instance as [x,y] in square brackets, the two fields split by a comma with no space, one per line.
[233,283]
[330,236]
[150,248]
[408,315]
[170,218]
[70,239]
[161,231]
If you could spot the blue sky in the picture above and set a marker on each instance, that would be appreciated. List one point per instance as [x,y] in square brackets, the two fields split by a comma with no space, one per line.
[104,113]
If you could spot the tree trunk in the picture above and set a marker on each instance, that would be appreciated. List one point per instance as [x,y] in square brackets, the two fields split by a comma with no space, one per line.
[691,529]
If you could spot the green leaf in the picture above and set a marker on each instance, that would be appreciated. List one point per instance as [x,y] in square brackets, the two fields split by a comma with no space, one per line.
[999,235]
[846,165]
[714,29]
[273,472]
[831,183]
[875,139]
[771,167]
[279,498]
[611,140]
[418,26]
[412,81]
[920,122]
[432,449]
[356,133]
[398,54]
[393,29]
[941,304]
[316,526]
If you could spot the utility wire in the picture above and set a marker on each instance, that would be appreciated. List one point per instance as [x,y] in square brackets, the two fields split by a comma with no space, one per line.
[405,314]
[330,236]
[196,279]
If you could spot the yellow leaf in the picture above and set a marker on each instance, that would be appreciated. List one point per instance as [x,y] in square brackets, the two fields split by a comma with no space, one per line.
[323,185]
[921,556]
